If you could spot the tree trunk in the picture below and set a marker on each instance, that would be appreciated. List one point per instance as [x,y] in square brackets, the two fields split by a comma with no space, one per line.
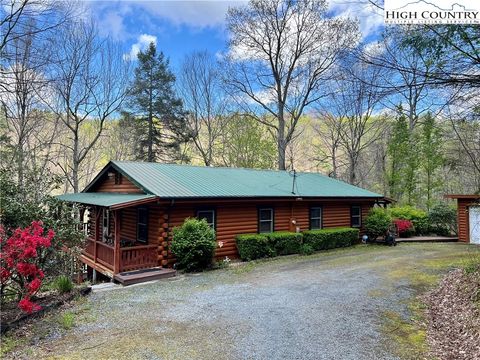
[352,175]
[150,129]
[334,163]
[281,144]
[75,164]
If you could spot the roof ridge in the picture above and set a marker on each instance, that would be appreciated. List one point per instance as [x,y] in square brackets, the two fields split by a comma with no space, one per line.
[218,167]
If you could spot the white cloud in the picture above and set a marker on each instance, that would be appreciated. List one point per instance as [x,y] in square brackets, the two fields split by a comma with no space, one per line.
[193,13]
[370,17]
[143,41]
[112,24]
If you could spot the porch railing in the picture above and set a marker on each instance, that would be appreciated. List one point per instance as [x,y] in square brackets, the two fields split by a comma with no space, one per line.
[100,252]
[105,254]
[138,257]
[131,258]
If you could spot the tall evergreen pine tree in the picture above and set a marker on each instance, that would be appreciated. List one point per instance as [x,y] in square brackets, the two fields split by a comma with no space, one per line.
[156,113]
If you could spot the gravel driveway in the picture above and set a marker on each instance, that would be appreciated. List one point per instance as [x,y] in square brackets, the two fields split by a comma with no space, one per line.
[323,306]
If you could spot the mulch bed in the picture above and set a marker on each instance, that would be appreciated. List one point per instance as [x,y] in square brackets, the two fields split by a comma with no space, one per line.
[12,316]
[453,317]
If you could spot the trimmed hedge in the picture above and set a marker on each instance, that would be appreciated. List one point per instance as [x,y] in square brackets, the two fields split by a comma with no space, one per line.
[285,243]
[330,238]
[257,246]
[254,246]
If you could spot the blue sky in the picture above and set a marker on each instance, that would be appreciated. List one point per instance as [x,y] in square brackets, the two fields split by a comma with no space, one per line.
[180,27]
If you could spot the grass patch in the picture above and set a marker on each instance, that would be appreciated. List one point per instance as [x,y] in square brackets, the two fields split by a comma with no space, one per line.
[409,336]
[243,268]
[407,331]
[471,264]
[9,343]
[67,320]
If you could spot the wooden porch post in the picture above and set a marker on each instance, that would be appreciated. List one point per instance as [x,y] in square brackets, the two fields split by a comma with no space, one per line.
[97,228]
[116,239]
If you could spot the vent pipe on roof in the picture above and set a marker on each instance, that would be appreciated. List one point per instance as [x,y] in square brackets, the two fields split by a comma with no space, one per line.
[294,179]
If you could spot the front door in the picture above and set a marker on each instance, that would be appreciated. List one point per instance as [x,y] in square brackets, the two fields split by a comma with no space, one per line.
[474,222]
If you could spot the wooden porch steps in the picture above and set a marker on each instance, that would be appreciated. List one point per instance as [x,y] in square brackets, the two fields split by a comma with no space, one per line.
[139,276]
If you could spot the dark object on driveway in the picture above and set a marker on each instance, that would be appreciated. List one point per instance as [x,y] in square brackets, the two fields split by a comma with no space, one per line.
[388,239]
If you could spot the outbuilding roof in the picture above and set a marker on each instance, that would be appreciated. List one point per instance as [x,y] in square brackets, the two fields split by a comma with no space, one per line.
[173,181]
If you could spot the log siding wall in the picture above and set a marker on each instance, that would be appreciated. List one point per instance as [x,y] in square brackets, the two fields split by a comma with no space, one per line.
[232,219]
[107,184]
[463,220]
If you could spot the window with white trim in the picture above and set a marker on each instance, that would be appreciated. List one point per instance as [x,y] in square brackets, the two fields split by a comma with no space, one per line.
[265,220]
[315,218]
[356,216]
[208,215]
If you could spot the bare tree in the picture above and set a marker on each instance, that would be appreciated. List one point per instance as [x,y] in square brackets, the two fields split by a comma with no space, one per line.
[26,18]
[280,51]
[354,98]
[463,115]
[204,100]
[327,128]
[406,75]
[91,79]
[25,88]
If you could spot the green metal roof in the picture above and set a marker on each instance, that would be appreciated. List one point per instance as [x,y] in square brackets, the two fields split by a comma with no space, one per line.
[185,181]
[104,199]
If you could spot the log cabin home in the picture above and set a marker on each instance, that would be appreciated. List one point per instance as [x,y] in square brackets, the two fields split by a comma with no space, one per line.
[130,209]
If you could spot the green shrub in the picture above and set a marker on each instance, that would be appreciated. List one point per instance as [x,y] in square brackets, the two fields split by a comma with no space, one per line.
[254,246]
[330,238]
[63,284]
[285,243]
[418,217]
[306,249]
[443,219]
[377,222]
[193,245]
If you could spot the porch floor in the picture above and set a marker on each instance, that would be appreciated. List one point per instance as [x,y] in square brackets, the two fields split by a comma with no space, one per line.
[139,276]
[428,239]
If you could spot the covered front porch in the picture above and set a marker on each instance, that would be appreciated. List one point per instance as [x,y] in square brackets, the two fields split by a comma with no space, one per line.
[118,242]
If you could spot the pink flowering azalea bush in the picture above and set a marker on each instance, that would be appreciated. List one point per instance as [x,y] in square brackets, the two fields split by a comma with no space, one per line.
[405,227]
[20,263]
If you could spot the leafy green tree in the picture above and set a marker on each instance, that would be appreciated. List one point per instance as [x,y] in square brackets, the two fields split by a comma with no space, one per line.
[397,150]
[156,112]
[247,143]
[432,157]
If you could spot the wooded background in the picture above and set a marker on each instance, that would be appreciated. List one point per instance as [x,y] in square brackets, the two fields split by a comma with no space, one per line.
[294,89]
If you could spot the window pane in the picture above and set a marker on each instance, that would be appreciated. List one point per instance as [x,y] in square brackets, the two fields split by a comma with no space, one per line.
[315,224]
[142,216]
[142,233]
[265,226]
[315,213]
[355,220]
[208,215]
[266,214]
[355,210]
